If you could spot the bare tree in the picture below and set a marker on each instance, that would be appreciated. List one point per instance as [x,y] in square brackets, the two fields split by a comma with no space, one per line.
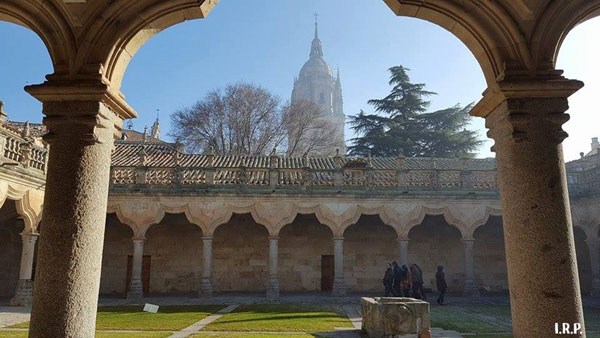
[309,131]
[242,119]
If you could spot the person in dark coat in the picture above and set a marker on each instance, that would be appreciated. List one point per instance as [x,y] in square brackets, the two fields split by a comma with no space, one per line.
[388,281]
[440,280]
[406,281]
[421,282]
[397,279]
[414,272]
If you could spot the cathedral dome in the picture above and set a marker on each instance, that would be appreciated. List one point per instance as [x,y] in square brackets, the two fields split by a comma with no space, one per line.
[316,67]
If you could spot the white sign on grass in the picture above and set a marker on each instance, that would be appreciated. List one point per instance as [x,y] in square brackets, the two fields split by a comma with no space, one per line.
[151,308]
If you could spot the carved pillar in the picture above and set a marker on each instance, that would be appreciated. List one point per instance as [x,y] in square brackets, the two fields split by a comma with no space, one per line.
[339,288]
[403,242]
[526,124]
[81,135]
[206,288]
[24,291]
[470,287]
[594,247]
[136,286]
[273,283]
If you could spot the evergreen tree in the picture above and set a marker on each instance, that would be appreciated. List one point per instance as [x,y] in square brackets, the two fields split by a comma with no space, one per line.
[402,126]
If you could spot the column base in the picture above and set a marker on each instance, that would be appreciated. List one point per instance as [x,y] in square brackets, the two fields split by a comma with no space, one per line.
[339,289]
[595,292]
[206,288]
[23,293]
[471,290]
[136,291]
[273,288]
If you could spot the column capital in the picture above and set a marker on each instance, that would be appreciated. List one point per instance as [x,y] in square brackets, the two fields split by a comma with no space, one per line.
[514,87]
[273,238]
[403,239]
[338,238]
[593,242]
[207,238]
[468,240]
[25,235]
[139,239]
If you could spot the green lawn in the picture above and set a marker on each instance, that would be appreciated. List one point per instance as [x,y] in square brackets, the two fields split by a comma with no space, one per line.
[249,335]
[23,334]
[273,318]
[451,318]
[168,318]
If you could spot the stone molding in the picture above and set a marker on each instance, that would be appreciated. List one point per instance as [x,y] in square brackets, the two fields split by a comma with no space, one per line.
[29,203]
[140,213]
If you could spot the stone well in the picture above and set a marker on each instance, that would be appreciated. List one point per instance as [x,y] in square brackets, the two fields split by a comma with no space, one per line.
[391,317]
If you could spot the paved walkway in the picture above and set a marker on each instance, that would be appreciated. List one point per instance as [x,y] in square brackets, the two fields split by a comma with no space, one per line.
[194,328]
[10,315]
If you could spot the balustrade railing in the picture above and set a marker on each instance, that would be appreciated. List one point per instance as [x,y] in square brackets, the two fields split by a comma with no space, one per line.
[22,152]
[302,178]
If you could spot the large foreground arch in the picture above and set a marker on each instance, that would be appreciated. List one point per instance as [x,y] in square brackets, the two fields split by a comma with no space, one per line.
[514,41]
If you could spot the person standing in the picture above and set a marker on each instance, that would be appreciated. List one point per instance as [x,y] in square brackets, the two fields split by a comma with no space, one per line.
[388,281]
[397,279]
[406,281]
[440,280]
[414,272]
[421,282]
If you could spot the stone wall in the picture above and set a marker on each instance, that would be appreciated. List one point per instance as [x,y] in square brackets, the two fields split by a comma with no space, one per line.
[489,256]
[10,249]
[301,247]
[369,245]
[175,249]
[240,256]
[433,243]
[117,246]
[583,261]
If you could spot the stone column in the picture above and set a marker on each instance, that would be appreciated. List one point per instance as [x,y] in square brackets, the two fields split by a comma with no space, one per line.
[526,124]
[403,242]
[339,288]
[206,288]
[136,286]
[24,291]
[273,283]
[594,247]
[470,287]
[81,135]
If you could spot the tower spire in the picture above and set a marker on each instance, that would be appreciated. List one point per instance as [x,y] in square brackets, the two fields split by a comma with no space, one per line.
[316,25]
[316,49]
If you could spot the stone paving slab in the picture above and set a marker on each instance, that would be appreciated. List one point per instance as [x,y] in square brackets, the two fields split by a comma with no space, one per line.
[194,328]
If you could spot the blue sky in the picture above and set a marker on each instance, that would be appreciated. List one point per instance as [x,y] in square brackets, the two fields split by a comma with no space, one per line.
[267,42]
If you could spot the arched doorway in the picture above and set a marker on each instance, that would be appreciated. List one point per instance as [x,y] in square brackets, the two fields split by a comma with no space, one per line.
[369,245]
[240,255]
[435,242]
[305,256]
[489,256]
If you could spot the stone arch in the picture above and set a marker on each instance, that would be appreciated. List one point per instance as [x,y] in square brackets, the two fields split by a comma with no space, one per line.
[244,244]
[140,215]
[174,250]
[486,28]
[489,255]
[303,243]
[369,245]
[116,249]
[436,242]
[559,18]
[445,212]
[583,259]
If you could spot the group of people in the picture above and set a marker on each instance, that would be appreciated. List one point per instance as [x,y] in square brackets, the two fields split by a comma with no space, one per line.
[401,281]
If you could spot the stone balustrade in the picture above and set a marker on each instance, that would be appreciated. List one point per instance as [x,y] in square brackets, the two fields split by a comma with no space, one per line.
[22,152]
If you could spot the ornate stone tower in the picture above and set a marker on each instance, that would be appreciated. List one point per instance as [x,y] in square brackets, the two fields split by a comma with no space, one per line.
[316,83]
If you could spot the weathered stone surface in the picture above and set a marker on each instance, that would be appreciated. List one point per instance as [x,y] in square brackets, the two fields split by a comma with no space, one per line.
[387,316]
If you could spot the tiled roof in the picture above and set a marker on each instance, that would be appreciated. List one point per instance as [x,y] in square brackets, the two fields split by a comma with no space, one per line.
[36,130]
[163,155]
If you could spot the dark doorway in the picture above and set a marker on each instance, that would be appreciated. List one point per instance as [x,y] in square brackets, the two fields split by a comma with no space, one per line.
[327,272]
[145,274]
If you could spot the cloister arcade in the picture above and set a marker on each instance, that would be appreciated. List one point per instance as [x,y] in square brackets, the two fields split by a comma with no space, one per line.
[515,42]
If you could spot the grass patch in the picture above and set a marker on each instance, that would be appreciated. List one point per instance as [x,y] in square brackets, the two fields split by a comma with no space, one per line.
[274,318]
[248,335]
[168,318]
[23,334]
[451,318]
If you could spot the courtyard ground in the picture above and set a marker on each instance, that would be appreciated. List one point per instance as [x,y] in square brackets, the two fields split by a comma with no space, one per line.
[294,317]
